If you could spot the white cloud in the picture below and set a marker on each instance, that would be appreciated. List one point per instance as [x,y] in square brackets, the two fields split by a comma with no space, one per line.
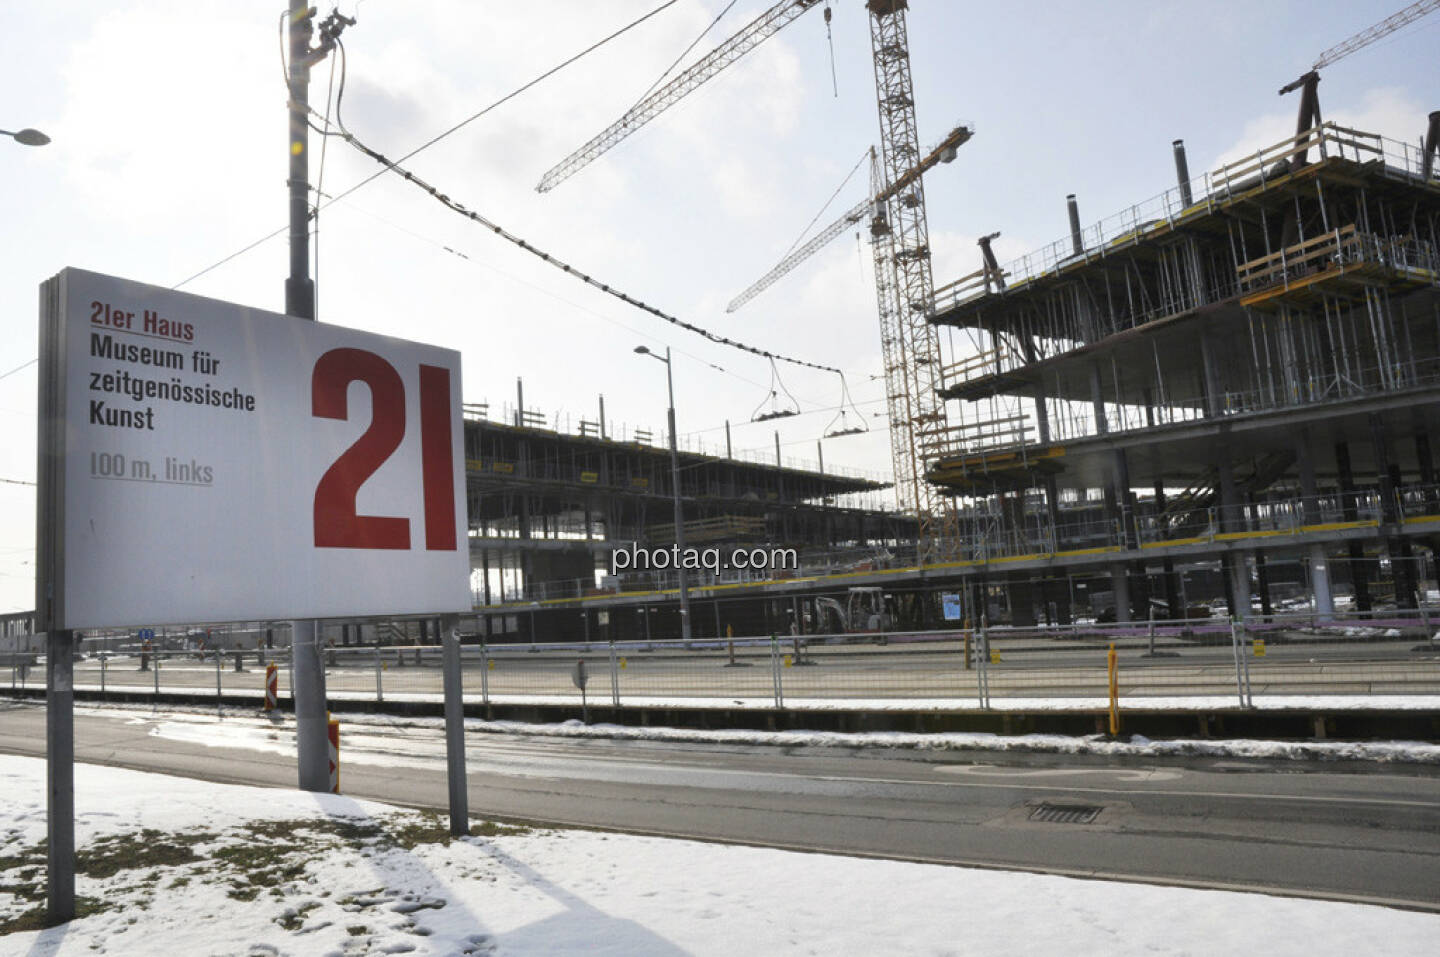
[1391,112]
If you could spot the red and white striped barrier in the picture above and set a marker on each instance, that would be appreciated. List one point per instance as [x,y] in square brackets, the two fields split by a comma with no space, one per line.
[334,729]
[272,686]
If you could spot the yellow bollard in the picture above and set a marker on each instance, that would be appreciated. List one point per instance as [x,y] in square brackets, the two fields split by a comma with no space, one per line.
[623,662]
[1259,645]
[1113,662]
[491,665]
[787,661]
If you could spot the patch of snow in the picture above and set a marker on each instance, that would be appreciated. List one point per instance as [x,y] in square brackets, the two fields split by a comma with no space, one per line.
[559,892]
[262,735]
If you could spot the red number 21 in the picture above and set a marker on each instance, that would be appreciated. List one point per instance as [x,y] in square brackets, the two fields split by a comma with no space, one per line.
[336,523]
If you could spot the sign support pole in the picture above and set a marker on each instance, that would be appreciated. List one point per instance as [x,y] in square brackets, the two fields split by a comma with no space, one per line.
[455,729]
[59,643]
[312,731]
[60,776]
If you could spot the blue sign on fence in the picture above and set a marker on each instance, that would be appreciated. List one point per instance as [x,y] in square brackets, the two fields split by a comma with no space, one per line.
[954,610]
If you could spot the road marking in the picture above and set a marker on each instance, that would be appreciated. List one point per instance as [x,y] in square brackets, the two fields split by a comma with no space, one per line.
[1122,774]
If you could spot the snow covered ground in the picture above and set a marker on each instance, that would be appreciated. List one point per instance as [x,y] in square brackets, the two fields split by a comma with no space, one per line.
[241,728]
[181,867]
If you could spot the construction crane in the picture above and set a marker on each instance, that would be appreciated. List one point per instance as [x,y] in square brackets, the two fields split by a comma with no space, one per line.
[757,32]
[1307,84]
[943,153]
[904,285]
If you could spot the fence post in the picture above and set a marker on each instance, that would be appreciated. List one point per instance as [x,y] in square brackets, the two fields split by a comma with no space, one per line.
[1242,670]
[218,698]
[103,663]
[379,670]
[614,677]
[1112,661]
[982,660]
[775,671]
[155,674]
[484,673]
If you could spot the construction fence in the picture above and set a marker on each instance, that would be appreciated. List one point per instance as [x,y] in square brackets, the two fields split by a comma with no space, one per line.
[1277,661]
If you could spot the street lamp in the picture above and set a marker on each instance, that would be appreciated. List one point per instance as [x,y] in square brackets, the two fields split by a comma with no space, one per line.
[27,137]
[675,491]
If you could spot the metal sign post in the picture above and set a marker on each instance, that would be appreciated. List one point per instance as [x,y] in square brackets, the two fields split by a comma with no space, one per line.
[60,775]
[455,729]
[49,610]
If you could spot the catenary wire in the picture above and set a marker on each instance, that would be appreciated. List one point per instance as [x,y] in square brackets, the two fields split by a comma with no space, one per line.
[560,264]
[431,142]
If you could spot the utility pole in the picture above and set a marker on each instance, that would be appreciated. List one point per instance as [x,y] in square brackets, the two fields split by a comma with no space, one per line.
[675,492]
[312,738]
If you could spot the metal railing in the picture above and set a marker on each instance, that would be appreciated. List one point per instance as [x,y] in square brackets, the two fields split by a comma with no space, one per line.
[1278,660]
[1136,223]
[986,536]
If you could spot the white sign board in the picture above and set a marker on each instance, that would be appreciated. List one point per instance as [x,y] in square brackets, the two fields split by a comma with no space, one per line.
[219,463]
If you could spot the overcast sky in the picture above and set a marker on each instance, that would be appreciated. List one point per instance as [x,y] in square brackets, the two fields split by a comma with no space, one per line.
[169,155]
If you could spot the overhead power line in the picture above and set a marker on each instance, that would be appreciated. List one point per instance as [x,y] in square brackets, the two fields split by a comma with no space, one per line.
[436,139]
[563,266]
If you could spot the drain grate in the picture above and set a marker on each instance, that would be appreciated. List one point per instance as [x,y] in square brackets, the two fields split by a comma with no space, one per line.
[1065,813]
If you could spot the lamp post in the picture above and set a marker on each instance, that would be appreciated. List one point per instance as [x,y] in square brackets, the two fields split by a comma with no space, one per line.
[26,137]
[675,492]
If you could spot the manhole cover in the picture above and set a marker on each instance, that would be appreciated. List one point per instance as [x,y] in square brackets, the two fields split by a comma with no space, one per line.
[1065,813]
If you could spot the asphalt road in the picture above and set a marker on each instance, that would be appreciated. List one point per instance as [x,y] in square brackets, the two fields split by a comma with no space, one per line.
[1370,834]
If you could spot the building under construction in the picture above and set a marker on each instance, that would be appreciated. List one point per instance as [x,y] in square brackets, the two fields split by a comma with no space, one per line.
[550,503]
[1238,378]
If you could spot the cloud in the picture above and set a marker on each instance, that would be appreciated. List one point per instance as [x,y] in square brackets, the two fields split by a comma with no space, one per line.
[1388,111]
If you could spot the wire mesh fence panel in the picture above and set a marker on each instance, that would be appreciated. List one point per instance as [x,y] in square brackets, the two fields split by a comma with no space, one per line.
[930,667]
[1369,654]
[713,672]
[1307,654]
[405,672]
[517,672]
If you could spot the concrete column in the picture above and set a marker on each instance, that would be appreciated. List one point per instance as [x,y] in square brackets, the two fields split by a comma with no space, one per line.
[1211,380]
[1240,584]
[1426,462]
[1055,593]
[1120,583]
[1097,400]
[1022,602]
[1042,414]
[1230,517]
[1309,488]
[1262,581]
[1320,582]
[1359,572]
[1052,505]
[1120,472]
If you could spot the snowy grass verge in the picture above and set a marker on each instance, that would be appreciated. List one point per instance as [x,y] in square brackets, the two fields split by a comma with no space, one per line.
[174,866]
[216,733]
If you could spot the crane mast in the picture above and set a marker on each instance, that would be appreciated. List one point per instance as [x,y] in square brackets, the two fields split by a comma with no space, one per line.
[903,282]
[904,285]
